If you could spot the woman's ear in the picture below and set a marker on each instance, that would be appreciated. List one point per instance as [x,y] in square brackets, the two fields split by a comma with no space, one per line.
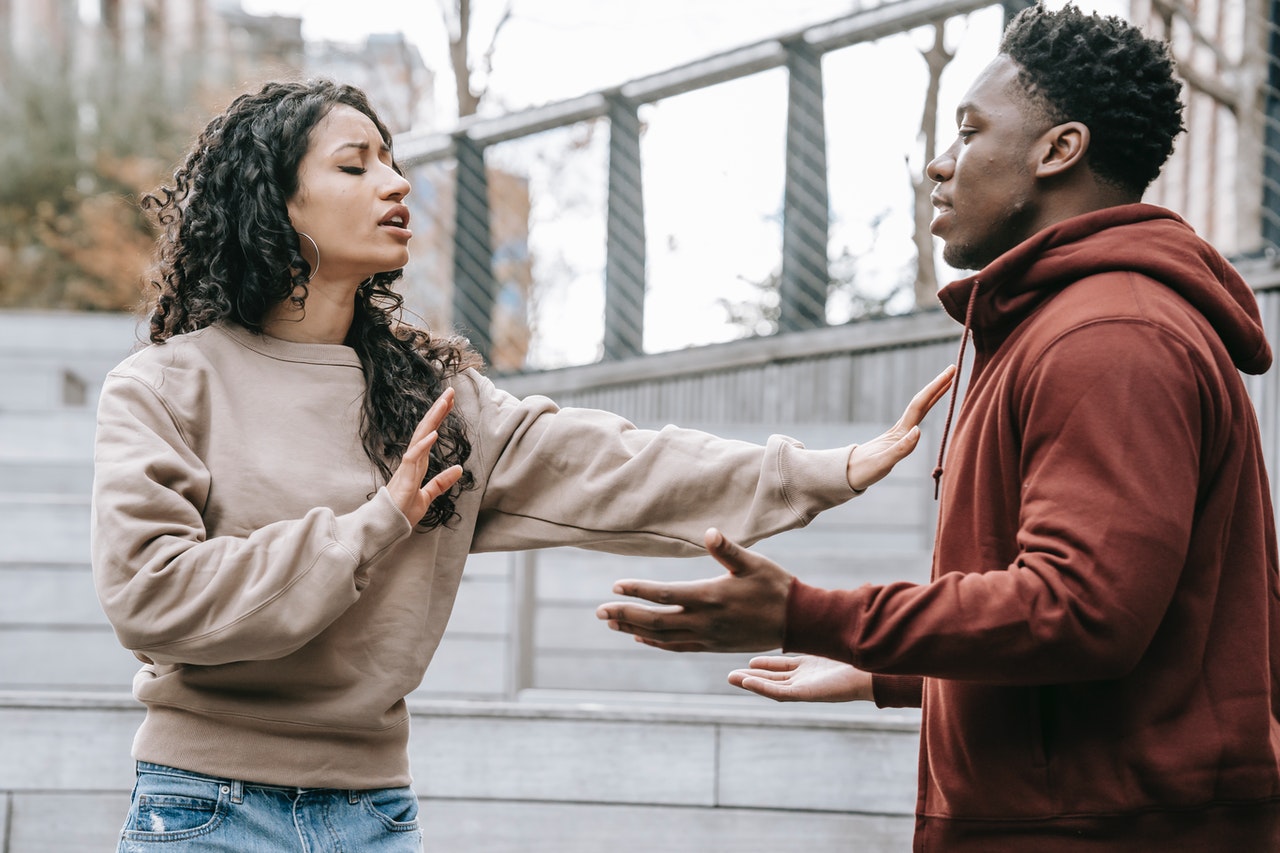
[1062,148]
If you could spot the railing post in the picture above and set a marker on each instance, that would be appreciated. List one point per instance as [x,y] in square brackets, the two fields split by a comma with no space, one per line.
[803,289]
[474,286]
[624,271]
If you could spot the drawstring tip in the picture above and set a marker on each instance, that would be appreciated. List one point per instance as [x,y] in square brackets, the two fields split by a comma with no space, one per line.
[937,481]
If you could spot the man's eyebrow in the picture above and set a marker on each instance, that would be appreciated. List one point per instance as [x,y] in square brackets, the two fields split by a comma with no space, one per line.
[966,107]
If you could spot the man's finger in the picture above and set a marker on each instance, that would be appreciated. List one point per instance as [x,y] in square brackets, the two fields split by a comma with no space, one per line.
[621,614]
[673,646]
[675,593]
[731,555]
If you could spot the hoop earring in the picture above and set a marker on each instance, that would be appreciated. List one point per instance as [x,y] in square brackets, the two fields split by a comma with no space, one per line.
[316,268]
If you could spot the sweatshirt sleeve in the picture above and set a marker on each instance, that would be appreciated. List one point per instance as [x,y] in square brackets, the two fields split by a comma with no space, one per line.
[176,595]
[591,479]
[1109,463]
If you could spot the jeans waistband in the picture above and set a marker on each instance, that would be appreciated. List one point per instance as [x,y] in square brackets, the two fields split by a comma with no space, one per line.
[237,784]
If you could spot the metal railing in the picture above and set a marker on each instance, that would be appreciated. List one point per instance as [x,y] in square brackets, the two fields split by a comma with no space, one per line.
[493,275]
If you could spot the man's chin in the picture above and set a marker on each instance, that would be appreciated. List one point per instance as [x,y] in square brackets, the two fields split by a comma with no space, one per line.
[962,258]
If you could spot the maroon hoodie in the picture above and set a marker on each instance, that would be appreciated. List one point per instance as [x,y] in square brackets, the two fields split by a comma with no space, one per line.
[1100,643]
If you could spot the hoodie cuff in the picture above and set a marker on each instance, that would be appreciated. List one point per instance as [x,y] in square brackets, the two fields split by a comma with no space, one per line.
[897,691]
[817,621]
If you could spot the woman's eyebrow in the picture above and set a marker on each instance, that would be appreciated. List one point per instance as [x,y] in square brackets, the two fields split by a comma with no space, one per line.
[363,145]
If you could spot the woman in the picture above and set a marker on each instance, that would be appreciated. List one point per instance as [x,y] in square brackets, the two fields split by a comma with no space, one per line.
[289,480]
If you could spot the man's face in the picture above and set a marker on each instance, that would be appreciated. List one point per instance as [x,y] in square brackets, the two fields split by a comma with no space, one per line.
[987,195]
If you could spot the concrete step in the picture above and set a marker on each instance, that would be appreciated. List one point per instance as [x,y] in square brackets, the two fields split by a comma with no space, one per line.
[30,476]
[44,528]
[53,359]
[50,434]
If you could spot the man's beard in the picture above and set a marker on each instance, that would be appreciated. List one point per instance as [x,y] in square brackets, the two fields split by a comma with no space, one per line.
[1011,229]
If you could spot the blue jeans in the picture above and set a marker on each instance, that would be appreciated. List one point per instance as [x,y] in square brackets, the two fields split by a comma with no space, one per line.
[180,812]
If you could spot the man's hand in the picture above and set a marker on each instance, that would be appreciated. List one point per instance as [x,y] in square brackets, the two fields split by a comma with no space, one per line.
[806,678]
[743,611]
[871,462]
[405,485]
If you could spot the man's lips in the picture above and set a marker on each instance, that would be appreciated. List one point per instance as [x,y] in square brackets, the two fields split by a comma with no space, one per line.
[943,210]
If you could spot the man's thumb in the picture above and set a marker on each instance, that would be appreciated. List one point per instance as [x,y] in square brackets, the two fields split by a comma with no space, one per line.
[726,553]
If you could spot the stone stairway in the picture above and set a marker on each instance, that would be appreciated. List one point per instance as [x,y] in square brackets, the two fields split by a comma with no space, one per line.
[51,369]
[535,730]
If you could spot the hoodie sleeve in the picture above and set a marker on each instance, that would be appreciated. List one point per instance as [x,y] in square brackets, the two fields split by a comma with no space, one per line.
[591,479]
[1112,419]
[175,595]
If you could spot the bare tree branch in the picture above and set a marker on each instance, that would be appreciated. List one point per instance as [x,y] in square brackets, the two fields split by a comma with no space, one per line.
[493,39]
[457,20]
[936,58]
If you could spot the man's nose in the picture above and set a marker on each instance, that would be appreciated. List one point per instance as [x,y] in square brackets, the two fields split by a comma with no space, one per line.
[939,168]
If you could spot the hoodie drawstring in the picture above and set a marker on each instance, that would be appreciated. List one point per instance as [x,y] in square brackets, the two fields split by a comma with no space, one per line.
[955,387]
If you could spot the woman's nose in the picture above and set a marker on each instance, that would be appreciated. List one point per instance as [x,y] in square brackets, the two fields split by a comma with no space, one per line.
[397,186]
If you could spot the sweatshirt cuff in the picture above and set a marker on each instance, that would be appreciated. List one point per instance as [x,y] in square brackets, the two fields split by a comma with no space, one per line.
[818,621]
[897,691]
[814,481]
[370,530]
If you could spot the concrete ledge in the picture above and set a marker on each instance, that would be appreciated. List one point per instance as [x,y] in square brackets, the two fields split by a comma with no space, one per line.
[510,776]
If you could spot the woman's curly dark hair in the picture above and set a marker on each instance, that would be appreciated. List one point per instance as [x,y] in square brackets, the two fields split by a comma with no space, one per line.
[228,252]
[1104,73]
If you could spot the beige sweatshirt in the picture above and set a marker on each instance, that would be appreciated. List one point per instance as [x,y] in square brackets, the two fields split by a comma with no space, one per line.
[244,549]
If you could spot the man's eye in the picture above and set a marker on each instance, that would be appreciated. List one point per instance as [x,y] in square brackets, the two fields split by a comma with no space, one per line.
[965,134]
[352,170]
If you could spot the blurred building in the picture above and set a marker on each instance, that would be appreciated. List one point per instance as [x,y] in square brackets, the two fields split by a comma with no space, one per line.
[389,68]
[1215,177]
[135,74]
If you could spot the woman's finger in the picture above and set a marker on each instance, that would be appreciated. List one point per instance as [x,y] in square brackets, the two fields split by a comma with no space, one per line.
[435,416]
[441,483]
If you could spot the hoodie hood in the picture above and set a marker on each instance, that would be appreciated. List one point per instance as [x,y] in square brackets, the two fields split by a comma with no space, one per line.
[1140,238]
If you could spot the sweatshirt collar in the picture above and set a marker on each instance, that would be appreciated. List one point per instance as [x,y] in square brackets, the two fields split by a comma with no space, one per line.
[282,350]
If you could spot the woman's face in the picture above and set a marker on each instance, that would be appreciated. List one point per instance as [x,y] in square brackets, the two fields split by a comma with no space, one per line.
[350,201]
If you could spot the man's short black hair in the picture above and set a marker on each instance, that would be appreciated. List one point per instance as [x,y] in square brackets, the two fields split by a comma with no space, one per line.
[1104,73]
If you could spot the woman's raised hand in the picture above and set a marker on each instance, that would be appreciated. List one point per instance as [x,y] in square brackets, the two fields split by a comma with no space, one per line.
[871,462]
[405,485]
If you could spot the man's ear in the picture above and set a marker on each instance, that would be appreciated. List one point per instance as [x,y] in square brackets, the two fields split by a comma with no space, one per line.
[1062,147]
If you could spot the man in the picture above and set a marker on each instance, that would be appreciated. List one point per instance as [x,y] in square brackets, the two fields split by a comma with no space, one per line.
[1098,653]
